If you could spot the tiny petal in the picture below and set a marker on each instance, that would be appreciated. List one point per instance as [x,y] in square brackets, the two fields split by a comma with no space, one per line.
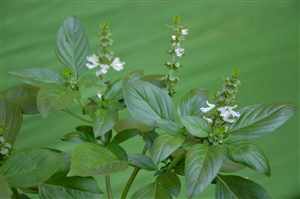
[179,51]
[185,32]
[92,61]
[117,64]
[7,145]
[208,108]
[173,37]
[99,95]
[228,114]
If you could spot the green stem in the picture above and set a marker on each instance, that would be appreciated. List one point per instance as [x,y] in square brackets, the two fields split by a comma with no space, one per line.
[108,187]
[77,116]
[131,178]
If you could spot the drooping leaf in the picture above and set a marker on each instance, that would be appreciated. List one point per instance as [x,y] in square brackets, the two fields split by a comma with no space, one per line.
[118,150]
[90,159]
[141,161]
[170,182]
[164,145]
[72,45]
[147,103]
[259,120]
[129,123]
[202,165]
[38,76]
[24,96]
[32,167]
[82,133]
[191,103]
[251,156]
[236,187]
[195,125]
[54,99]
[104,122]
[124,135]
[10,120]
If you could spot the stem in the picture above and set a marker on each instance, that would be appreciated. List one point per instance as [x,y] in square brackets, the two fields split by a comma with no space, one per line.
[132,178]
[77,116]
[108,187]
[176,160]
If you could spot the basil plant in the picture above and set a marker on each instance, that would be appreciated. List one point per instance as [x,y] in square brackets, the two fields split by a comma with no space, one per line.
[198,142]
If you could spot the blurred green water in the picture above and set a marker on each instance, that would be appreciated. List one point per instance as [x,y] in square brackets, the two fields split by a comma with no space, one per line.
[258,37]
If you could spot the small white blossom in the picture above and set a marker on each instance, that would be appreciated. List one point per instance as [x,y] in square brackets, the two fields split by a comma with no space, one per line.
[4,151]
[2,140]
[92,61]
[228,114]
[99,95]
[208,108]
[117,64]
[185,32]
[209,120]
[102,70]
[173,37]
[179,51]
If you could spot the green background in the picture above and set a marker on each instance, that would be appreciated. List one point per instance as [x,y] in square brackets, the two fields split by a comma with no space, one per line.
[258,37]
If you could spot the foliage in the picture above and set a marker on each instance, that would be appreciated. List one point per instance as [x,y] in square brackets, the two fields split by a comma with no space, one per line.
[203,139]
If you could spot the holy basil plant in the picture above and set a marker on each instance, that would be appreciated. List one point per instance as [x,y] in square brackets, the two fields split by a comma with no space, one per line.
[198,141]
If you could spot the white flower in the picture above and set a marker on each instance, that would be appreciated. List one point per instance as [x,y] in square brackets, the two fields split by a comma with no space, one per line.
[4,151]
[2,140]
[173,37]
[208,108]
[117,64]
[209,120]
[228,114]
[184,32]
[103,69]
[92,61]
[99,95]
[179,51]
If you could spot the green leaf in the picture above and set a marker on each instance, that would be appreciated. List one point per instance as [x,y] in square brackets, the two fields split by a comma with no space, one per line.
[47,191]
[164,145]
[251,156]
[230,167]
[24,96]
[147,103]
[92,159]
[114,91]
[239,188]
[125,135]
[10,120]
[152,191]
[129,123]
[54,99]
[259,120]
[104,122]
[81,184]
[157,80]
[38,76]
[5,192]
[191,103]
[72,45]
[170,182]
[32,167]
[195,125]
[202,165]
[141,161]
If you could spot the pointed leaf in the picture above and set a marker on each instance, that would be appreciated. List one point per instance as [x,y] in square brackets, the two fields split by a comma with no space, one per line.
[72,45]
[38,76]
[259,120]
[202,165]
[141,161]
[104,122]
[195,125]
[251,156]
[236,187]
[90,159]
[164,145]
[170,182]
